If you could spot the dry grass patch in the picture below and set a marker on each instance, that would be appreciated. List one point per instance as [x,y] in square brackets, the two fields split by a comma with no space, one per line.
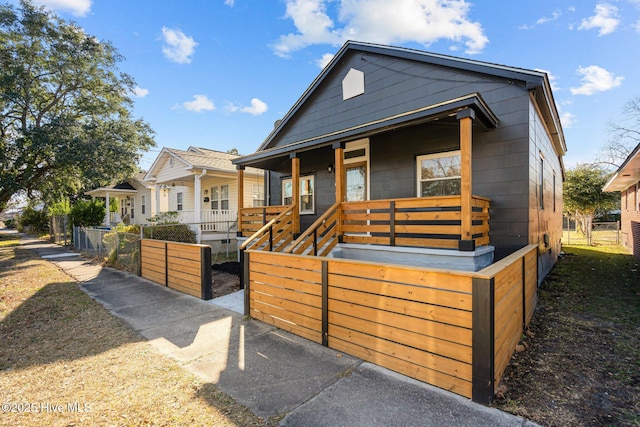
[65,360]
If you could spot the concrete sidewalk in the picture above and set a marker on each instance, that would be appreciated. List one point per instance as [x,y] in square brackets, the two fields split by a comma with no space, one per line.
[274,373]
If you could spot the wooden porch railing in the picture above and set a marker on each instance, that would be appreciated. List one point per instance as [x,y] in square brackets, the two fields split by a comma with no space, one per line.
[253,219]
[273,236]
[433,222]
[321,237]
[423,222]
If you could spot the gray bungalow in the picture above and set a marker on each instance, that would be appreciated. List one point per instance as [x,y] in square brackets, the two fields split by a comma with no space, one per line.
[388,123]
[413,205]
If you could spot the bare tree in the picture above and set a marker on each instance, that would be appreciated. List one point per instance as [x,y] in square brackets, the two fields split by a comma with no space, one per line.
[625,136]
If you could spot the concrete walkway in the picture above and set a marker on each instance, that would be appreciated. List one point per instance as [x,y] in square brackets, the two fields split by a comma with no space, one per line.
[274,373]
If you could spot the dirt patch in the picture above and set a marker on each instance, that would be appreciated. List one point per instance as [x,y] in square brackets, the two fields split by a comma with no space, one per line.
[225,278]
[580,363]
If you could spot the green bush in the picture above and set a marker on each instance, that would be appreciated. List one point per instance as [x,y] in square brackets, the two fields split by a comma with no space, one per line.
[174,233]
[87,213]
[37,220]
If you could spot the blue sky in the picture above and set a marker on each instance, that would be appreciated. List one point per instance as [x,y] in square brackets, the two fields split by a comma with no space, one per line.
[219,73]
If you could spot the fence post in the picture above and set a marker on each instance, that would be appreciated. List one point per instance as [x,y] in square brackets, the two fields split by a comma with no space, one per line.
[483,340]
[245,284]
[392,223]
[206,292]
[139,266]
[325,303]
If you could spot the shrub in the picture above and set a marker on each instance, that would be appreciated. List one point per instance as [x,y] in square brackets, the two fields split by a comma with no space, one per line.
[174,233]
[37,220]
[86,213]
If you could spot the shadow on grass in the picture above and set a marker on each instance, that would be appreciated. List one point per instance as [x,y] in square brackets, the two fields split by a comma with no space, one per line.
[58,322]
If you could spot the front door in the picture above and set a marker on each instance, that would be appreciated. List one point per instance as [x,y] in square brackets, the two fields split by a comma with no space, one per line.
[356,182]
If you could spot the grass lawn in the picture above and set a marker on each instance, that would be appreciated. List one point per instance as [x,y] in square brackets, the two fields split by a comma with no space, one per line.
[7,240]
[64,360]
[582,363]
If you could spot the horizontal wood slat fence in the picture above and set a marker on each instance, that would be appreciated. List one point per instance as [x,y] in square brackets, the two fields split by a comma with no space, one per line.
[181,266]
[452,329]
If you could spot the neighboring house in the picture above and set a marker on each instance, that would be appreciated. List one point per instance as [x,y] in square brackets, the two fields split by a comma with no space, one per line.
[626,180]
[201,185]
[388,123]
[135,200]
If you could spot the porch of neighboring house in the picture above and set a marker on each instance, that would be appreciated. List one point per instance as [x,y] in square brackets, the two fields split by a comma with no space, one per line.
[124,198]
[209,214]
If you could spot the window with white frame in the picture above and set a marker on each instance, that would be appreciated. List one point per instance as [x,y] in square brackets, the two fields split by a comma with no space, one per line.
[257,195]
[439,174]
[220,197]
[133,207]
[307,193]
[179,201]
[143,204]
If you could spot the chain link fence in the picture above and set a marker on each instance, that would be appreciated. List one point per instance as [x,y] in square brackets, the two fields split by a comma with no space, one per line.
[601,233]
[60,229]
[121,250]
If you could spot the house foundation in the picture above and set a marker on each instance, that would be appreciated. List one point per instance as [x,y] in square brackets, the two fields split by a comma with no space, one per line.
[417,257]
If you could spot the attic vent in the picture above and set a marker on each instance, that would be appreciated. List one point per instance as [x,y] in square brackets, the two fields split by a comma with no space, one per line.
[352,84]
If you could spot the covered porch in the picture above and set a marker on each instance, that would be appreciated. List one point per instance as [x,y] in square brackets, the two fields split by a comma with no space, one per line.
[445,215]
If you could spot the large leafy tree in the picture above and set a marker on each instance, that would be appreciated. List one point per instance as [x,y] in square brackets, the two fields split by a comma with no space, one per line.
[66,119]
[583,197]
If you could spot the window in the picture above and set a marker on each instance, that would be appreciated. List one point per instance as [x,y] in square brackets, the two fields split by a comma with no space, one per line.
[220,197]
[143,204]
[257,195]
[224,197]
[439,174]
[626,199]
[179,201]
[133,207]
[307,198]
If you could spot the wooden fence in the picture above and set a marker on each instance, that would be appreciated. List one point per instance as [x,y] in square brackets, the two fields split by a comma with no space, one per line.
[452,329]
[181,266]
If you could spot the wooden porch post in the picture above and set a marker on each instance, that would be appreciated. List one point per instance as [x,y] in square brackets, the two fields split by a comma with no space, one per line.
[107,216]
[295,191]
[240,170]
[338,170]
[465,118]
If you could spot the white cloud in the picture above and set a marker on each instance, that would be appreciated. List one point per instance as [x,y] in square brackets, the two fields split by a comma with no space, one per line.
[229,2]
[554,16]
[324,61]
[257,107]
[200,103]
[75,7]
[567,119]
[140,92]
[637,25]
[596,79]
[605,19]
[178,47]
[380,21]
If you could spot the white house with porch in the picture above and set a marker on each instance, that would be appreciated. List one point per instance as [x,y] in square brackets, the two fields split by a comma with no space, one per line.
[201,185]
[135,201]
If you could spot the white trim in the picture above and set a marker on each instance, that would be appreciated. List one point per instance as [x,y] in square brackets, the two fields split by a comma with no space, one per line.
[359,145]
[419,160]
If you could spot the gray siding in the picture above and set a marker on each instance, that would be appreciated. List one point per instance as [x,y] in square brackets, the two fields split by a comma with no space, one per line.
[505,159]
[392,86]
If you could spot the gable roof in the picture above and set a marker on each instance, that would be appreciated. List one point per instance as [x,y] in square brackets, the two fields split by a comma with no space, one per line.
[627,174]
[535,81]
[198,158]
